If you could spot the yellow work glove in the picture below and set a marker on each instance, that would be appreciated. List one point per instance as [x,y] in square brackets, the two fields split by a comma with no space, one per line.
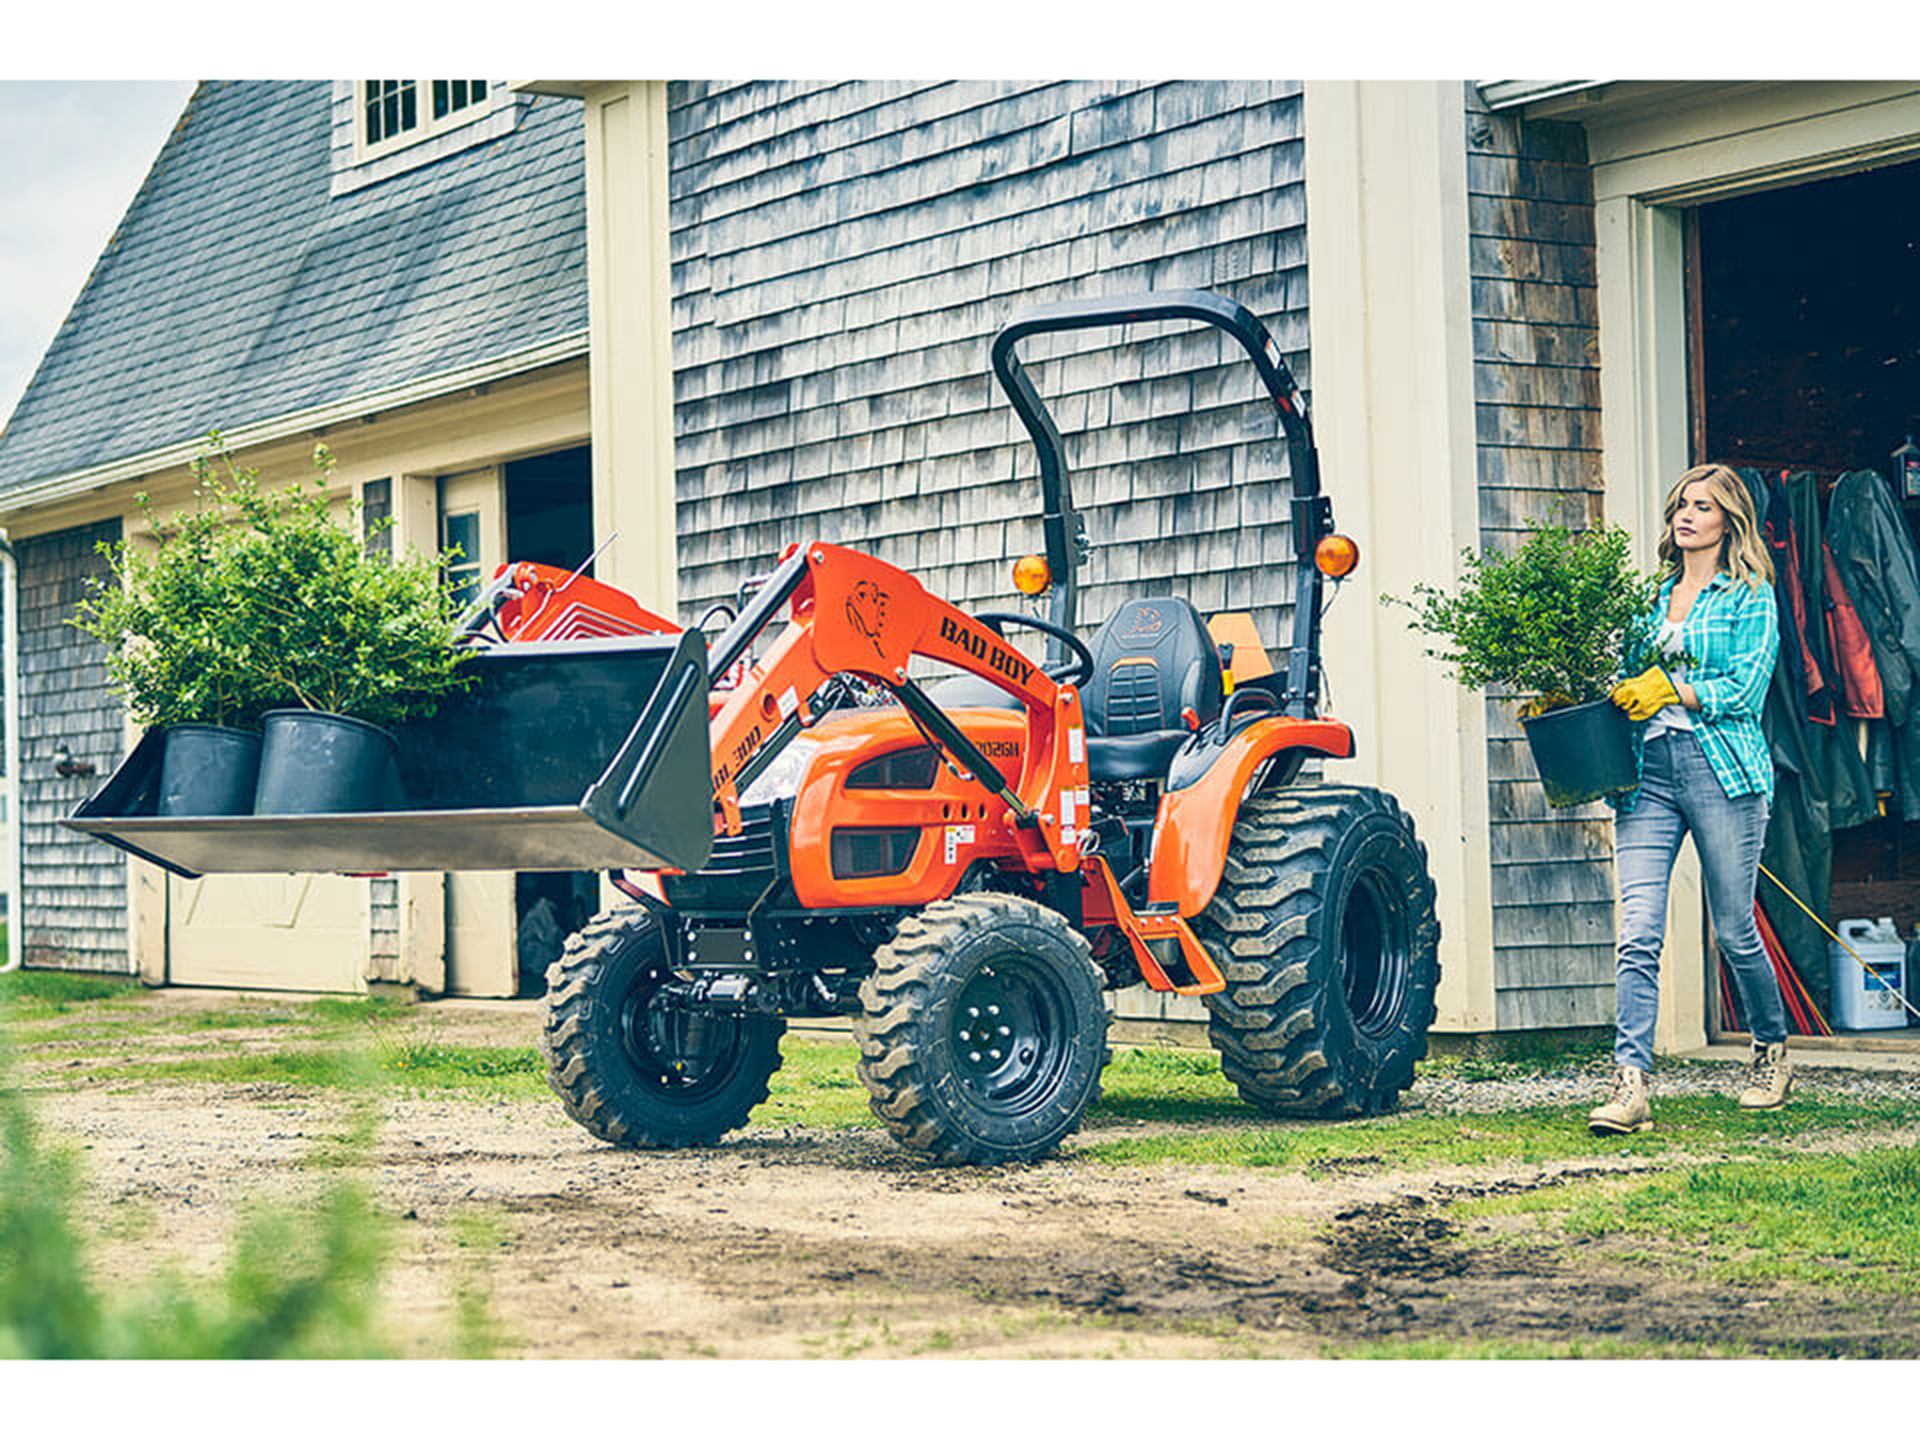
[1646,694]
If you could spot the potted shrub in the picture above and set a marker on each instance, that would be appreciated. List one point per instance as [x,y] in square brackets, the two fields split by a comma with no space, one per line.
[259,609]
[1551,621]
[173,653]
[340,641]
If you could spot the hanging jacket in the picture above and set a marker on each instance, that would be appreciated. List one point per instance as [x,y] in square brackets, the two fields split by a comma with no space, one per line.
[1831,753]
[1809,593]
[1776,529]
[1861,695]
[1875,557]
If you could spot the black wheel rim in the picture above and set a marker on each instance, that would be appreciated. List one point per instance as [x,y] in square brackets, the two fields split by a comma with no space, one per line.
[1009,1035]
[683,1053]
[1375,953]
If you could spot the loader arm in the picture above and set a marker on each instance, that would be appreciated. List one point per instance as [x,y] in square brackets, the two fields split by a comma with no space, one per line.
[853,614]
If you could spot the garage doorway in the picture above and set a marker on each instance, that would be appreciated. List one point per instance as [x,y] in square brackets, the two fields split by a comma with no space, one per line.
[504,928]
[1803,329]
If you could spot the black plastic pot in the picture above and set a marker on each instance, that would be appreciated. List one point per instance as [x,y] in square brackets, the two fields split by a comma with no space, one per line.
[1583,752]
[314,763]
[208,770]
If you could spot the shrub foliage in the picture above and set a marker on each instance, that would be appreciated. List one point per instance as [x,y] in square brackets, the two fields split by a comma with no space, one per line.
[1549,620]
[256,600]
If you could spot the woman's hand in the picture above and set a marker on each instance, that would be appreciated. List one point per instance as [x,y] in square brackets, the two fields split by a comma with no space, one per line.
[1646,694]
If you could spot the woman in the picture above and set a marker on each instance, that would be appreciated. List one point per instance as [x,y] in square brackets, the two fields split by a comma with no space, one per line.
[1711,640]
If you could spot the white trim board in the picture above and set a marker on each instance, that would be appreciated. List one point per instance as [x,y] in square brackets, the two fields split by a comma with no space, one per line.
[77,483]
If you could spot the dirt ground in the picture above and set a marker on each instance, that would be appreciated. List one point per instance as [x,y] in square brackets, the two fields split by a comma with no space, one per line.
[838,1243]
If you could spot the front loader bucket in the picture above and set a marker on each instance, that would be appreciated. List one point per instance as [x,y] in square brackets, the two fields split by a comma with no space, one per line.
[572,755]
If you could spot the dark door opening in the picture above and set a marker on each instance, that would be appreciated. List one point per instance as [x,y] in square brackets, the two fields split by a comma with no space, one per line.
[550,507]
[1804,339]
[549,504]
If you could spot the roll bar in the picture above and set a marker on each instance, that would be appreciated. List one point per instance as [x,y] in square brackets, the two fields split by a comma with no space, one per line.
[1066,531]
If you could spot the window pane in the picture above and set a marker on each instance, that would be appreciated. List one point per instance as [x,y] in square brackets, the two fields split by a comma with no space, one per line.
[408,116]
[376,516]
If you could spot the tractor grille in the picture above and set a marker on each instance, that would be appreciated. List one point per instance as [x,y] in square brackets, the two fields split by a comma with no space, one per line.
[751,849]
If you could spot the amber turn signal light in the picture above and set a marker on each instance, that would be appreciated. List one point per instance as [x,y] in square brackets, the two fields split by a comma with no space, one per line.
[1030,574]
[1336,555]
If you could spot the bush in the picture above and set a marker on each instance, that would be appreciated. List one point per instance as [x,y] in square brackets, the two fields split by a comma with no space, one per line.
[299,1282]
[260,600]
[1550,620]
[172,653]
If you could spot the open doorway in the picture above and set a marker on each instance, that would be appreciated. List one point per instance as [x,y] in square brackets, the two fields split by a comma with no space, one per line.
[549,520]
[1804,349]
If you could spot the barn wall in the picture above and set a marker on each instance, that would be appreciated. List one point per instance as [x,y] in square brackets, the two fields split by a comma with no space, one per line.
[74,889]
[1537,407]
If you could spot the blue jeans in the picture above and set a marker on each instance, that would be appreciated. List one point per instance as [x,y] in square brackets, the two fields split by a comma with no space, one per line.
[1679,793]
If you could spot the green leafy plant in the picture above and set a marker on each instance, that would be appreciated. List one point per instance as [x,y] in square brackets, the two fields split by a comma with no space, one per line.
[1551,620]
[257,600]
[166,619]
[300,1281]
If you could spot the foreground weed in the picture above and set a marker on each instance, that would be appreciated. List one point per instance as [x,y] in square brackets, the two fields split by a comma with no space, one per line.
[299,1280]
[1850,1220]
[477,1334]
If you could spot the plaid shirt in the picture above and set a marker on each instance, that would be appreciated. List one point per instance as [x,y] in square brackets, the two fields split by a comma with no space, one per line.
[1731,638]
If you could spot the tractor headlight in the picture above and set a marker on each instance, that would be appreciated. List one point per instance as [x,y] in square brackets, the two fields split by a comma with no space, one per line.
[781,780]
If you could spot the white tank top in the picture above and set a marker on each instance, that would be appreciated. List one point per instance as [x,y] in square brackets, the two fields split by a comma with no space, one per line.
[1670,717]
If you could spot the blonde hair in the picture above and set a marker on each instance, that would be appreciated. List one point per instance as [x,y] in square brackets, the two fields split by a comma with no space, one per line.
[1743,554]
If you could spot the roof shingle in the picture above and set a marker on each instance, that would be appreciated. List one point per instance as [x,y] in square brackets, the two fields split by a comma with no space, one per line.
[236,290]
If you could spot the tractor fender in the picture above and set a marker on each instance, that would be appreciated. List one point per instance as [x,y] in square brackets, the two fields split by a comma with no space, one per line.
[1195,822]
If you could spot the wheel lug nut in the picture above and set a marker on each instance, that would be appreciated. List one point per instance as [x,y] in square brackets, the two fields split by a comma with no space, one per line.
[975,1057]
[973,1012]
[991,1010]
[996,1054]
[1005,1031]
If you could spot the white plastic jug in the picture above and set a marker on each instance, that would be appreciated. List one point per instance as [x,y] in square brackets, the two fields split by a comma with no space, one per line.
[1867,997]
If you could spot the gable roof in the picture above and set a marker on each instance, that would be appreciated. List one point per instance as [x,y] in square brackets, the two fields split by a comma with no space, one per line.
[236,290]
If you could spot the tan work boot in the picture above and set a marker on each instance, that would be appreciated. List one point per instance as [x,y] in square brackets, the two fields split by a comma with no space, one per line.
[1628,1112]
[1771,1078]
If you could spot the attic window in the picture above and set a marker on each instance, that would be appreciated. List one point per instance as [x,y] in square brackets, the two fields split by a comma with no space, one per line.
[397,113]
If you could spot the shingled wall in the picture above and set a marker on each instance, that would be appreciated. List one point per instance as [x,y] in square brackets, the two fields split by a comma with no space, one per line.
[1537,405]
[842,257]
[75,889]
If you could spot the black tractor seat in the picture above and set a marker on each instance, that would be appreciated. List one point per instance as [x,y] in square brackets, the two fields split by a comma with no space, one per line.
[1145,756]
[1153,661]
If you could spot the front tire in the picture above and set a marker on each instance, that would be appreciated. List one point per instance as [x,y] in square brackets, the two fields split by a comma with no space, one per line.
[983,1032]
[1324,926]
[630,1067]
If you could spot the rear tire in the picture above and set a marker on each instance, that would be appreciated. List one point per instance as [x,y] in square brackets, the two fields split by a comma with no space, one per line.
[983,1032]
[625,1064]
[1324,926]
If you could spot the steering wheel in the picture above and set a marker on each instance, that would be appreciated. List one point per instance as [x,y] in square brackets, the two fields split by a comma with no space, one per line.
[1077,671]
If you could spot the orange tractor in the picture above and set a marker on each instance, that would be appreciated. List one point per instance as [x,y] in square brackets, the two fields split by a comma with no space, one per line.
[962,864]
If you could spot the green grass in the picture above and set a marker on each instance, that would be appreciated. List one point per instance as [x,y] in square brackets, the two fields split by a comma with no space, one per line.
[483,1072]
[1849,1220]
[815,1086]
[1687,1124]
[29,994]
[1596,1348]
